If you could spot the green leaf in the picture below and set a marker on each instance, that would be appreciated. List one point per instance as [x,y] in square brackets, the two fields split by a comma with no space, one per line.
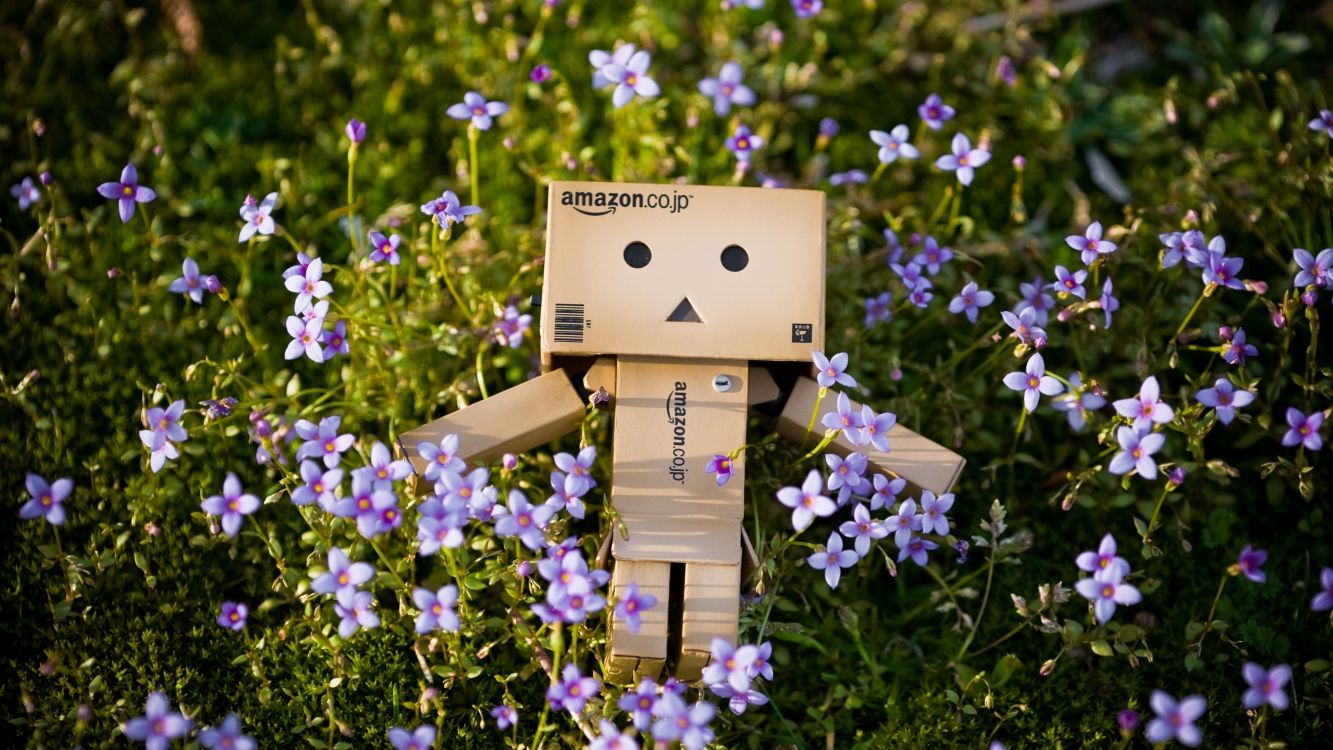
[1102,648]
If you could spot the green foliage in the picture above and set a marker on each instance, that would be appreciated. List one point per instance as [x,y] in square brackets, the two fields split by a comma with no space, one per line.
[1188,118]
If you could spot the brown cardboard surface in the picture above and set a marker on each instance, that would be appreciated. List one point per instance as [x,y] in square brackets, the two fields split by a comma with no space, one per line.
[923,463]
[593,302]
[669,422]
[518,419]
[651,640]
[763,388]
[602,374]
[712,610]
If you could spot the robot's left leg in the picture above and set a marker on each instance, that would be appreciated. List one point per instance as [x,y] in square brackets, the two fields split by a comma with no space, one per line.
[712,610]
[634,656]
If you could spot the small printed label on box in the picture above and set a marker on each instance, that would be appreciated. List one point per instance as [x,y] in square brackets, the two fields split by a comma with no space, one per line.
[569,323]
[801,333]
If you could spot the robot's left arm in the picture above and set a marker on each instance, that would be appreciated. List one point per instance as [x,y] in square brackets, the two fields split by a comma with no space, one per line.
[924,463]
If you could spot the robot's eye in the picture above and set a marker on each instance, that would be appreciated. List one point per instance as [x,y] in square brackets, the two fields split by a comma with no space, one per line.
[734,258]
[637,254]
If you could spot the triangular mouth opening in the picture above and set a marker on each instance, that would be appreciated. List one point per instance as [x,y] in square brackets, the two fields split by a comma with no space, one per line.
[684,313]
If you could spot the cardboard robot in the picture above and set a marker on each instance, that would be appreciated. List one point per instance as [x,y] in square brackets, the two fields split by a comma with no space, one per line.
[689,305]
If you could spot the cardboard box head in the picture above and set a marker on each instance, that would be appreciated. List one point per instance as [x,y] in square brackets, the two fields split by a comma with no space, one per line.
[683,271]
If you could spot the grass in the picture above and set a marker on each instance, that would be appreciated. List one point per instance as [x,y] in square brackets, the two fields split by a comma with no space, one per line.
[1149,120]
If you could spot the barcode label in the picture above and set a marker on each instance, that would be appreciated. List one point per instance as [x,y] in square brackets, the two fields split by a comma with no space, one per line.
[569,323]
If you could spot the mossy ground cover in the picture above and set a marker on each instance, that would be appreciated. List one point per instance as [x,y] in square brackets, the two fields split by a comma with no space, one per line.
[1148,119]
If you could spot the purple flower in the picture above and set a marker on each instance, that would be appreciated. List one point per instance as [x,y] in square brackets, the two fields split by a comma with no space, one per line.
[1128,720]
[862,528]
[385,248]
[1304,429]
[525,521]
[189,283]
[308,286]
[306,338]
[1323,123]
[159,725]
[640,703]
[730,664]
[1265,686]
[934,112]
[832,559]
[127,192]
[541,73]
[1175,721]
[1024,325]
[933,510]
[1224,397]
[447,210]
[1324,599]
[1235,350]
[894,246]
[505,716]
[845,474]
[355,130]
[1219,269]
[1249,562]
[911,276]
[1077,402]
[727,89]
[1069,283]
[384,468]
[1314,269]
[932,255]
[1006,71]
[611,738]
[830,370]
[475,107]
[572,691]
[343,575]
[1136,451]
[720,465]
[323,441]
[969,300]
[46,499]
[879,309]
[828,127]
[1173,248]
[631,78]
[600,59]
[421,738]
[875,428]
[356,612]
[886,491]
[806,501]
[257,218]
[27,193]
[631,603]
[687,724]
[233,615]
[1036,299]
[440,458]
[807,8]
[1109,303]
[964,160]
[1196,248]
[1090,244]
[903,523]
[1033,383]
[437,609]
[850,177]
[844,419]
[164,424]
[233,505]
[893,144]
[1104,560]
[227,736]
[742,142]
[1146,409]
[335,341]
[917,549]
[1105,589]
[579,467]
[509,329]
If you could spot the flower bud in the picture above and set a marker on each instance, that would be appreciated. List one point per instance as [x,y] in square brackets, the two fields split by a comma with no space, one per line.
[84,713]
[112,272]
[1176,476]
[212,284]
[1309,298]
[828,127]
[524,569]
[509,461]
[1279,319]
[355,130]
[1128,720]
[1039,343]
[1225,333]
[1047,667]
[1020,162]
[896,374]
[46,179]
[541,73]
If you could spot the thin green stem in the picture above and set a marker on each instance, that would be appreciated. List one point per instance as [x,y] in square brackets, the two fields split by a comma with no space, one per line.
[472,163]
[1152,522]
[810,426]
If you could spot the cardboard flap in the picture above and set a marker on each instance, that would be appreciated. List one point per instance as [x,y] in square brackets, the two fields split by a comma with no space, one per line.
[924,463]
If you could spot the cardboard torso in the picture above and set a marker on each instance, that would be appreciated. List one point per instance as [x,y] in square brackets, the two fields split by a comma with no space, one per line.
[671,418]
